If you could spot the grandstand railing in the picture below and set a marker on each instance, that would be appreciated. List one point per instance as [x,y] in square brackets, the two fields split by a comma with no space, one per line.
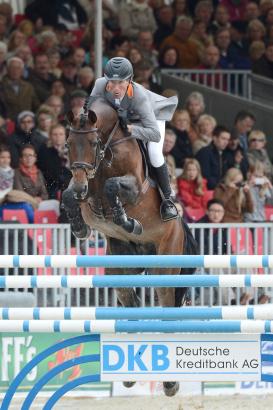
[236,82]
[57,239]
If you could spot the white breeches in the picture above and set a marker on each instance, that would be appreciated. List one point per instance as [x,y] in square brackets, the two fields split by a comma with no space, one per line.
[155,148]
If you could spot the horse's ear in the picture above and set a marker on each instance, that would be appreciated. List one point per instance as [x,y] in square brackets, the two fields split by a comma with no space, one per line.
[92,116]
[70,117]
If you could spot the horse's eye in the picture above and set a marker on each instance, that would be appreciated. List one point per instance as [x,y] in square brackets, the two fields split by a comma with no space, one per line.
[93,144]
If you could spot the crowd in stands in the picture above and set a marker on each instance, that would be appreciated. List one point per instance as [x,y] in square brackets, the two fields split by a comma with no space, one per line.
[47,67]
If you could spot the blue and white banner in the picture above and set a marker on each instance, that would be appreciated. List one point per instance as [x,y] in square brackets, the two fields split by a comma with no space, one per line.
[187,357]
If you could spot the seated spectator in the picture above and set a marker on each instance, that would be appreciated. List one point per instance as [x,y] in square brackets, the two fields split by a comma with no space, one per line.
[53,162]
[264,66]
[210,61]
[78,56]
[205,124]
[181,126]
[136,16]
[135,55]
[169,143]
[69,75]
[29,179]
[57,107]
[200,36]
[228,59]
[165,23]
[195,105]
[3,59]
[47,42]
[236,9]
[168,57]
[54,58]
[213,159]
[16,39]
[237,158]
[40,77]
[243,124]
[9,197]
[252,11]
[258,152]
[214,215]
[24,134]
[192,187]
[145,42]
[45,120]
[24,52]
[17,94]
[261,190]
[86,79]
[180,39]
[203,11]
[235,195]
[256,51]
[221,19]
[255,31]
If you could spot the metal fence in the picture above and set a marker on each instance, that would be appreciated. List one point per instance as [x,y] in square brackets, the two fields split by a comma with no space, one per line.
[212,238]
[236,82]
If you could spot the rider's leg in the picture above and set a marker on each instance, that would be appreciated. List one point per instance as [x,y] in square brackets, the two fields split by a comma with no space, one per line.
[74,215]
[167,209]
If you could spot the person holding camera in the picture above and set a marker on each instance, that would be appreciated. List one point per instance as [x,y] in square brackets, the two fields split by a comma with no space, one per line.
[235,195]
[261,190]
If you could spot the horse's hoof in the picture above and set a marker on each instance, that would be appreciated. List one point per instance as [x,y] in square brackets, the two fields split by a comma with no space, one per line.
[129,384]
[83,234]
[170,388]
[137,227]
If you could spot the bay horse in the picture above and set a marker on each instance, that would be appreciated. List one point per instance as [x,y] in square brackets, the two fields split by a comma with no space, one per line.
[118,199]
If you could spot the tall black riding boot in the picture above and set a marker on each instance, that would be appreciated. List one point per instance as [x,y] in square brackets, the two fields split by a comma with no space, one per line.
[168,209]
[74,215]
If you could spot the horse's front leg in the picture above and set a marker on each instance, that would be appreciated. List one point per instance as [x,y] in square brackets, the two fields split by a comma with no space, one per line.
[122,187]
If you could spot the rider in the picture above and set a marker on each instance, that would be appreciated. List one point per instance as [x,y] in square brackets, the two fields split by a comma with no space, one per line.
[142,114]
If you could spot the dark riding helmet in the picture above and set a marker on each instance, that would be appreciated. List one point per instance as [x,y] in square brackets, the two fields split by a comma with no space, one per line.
[118,68]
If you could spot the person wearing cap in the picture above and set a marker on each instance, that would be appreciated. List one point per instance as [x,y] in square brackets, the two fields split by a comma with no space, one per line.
[142,115]
[24,134]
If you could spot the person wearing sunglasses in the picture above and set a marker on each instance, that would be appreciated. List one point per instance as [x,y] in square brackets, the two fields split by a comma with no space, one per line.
[257,152]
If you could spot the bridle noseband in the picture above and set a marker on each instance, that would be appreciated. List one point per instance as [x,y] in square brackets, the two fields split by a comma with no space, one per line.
[91,169]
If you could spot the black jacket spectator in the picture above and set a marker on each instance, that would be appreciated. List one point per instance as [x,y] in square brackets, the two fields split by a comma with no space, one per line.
[219,243]
[182,148]
[263,67]
[213,164]
[53,12]
[56,174]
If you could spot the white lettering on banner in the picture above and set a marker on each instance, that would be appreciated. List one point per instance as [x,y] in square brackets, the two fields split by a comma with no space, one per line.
[15,352]
[192,357]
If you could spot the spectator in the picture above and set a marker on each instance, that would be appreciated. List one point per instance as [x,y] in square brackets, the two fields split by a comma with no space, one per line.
[239,47]
[53,162]
[256,51]
[243,124]
[213,159]
[180,8]
[258,152]
[236,8]
[57,88]
[136,16]
[169,143]
[228,60]
[40,77]
[57,107]
[28,178]
[168,58]
[221,19]
[195,105]
[69,75]
[51,13]
[237,158]
[78,57]
[16,39]
[145,42]
[9,197]
[180,39]
[47,41]
[203,11]
[252,11]
[210,61]
[165,23]
[54,58]
[181,126]
[24,52]
[192,187]
[45,119]
[86,79]
[17,94]
[214,215]
[261,189]
[264,66]
[206,124]
[255,31]
[135,55]
[200,36]
[3,29]
[77,99]
[235,195]
[24,135]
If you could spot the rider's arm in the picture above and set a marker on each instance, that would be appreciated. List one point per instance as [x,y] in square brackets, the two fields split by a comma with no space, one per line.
[147,130]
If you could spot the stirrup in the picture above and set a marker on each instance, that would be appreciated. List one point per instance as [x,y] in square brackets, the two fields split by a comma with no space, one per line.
[168,210]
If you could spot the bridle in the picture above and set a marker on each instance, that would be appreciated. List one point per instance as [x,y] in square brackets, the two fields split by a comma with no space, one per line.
[91,169]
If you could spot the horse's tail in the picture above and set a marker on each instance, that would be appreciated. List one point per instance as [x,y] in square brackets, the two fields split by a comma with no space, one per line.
[190,248]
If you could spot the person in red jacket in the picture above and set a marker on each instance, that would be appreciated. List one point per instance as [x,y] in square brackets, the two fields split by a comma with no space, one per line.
[192,187]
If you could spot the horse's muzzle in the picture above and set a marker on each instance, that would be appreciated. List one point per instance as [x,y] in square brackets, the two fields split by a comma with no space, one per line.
[80,191]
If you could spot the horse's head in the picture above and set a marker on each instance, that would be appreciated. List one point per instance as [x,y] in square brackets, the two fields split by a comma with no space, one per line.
[84,150]
[90,135]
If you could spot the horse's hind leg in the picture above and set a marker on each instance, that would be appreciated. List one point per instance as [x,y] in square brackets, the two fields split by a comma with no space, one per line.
[125,188]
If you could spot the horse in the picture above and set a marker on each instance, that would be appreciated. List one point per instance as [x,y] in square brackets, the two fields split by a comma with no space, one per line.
[119,199]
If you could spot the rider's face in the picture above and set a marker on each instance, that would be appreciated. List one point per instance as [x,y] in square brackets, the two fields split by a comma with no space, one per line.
[117,88]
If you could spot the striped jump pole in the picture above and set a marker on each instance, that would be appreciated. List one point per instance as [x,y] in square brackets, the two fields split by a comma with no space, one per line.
[137,326]
[129,281]
[139,261]
[258,312]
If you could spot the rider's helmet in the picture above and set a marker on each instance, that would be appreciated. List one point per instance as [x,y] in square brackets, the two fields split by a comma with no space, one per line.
[118,68]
